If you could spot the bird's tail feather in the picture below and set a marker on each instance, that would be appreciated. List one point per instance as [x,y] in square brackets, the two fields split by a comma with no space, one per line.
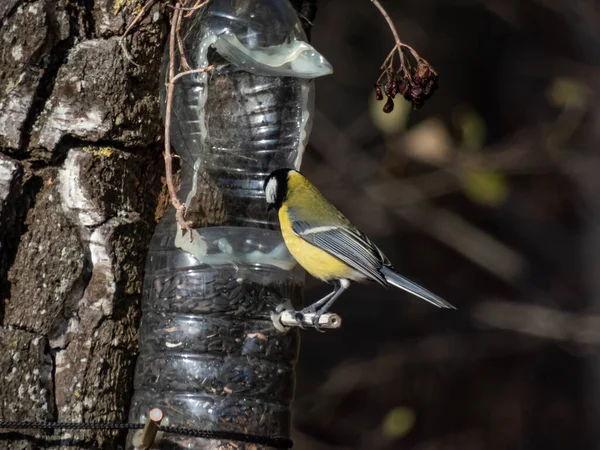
[401,282]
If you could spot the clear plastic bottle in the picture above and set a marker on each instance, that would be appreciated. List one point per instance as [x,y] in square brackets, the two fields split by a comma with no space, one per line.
[210,357]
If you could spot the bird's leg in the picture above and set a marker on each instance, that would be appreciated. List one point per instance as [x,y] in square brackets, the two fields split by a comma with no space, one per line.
[343,285]
[312,308]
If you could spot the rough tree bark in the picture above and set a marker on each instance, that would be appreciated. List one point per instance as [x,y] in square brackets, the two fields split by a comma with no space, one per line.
[79,180]
[80,165]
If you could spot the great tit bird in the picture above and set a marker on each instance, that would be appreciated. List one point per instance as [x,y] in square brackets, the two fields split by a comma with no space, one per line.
[327,245]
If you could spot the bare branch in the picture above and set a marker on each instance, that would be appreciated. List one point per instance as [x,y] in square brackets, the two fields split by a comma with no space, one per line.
[172,78]
[169,107]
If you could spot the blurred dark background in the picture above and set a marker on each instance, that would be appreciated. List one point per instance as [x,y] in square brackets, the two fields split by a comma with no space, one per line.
[489,196]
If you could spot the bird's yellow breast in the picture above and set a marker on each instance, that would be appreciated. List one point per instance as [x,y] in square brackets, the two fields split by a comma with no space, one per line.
[315,261]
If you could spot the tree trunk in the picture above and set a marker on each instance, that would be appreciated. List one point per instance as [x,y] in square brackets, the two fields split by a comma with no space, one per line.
[79,180]
[80,165]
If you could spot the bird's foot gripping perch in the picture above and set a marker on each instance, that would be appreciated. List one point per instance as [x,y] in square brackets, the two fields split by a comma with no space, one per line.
[315,315]
[286,317]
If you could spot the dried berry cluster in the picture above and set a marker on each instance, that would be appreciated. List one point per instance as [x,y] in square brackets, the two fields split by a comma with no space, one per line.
[415,84]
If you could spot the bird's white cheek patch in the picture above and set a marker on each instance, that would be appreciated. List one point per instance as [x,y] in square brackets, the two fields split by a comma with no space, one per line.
[271,190]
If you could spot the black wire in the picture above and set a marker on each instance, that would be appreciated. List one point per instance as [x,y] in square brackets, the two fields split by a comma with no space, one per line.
[268,441]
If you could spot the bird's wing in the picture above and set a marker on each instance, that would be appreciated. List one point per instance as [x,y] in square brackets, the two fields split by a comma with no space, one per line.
[347,244]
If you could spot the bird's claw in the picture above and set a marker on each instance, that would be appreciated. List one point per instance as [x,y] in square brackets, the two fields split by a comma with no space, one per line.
[315,322]
[299,316]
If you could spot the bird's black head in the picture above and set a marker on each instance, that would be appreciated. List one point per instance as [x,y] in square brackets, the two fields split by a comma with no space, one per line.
[275,187]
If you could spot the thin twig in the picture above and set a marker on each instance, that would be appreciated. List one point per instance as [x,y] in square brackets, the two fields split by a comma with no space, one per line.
[191,72]
[302,16]
[383,66]
[199,4]
[127,54]
[184,63]
[172,78]
[180,207]
[394,31]
[138,17]
[191,8]
[182,58]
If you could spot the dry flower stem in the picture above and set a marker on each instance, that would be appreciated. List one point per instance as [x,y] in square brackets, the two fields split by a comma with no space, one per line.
[394,32]
[414,80]
[389,60]
[383,66]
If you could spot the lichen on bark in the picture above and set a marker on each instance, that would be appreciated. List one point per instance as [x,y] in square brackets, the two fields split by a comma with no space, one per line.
[84,123]
[80,167]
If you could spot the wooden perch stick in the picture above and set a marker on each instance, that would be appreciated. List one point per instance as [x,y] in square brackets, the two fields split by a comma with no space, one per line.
[287,319]
[144,439]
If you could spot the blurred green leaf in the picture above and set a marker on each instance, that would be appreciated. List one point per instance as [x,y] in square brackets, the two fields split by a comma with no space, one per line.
[473,129]
[393,122]
[565,92]
[398,422]
[485,187]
